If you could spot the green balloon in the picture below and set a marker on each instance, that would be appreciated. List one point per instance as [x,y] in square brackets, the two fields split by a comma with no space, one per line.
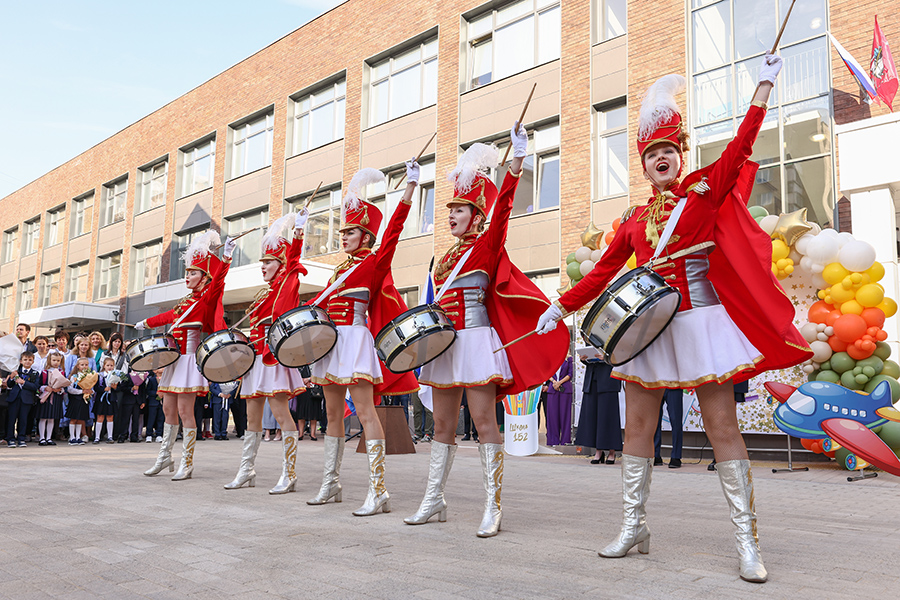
[570,258]
[573,270]
[891,369]
[869,372]
[758,212]
[841,362]
[857,370]
[861,379]
[848,380]
[873,362]
[882,350]
[895,386]
[825,366]
[890,435]
[829,376]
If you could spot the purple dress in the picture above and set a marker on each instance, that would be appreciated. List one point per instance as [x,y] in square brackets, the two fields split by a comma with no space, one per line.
[559,407]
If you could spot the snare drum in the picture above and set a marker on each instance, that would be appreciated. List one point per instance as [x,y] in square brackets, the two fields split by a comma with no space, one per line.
[630,315]
[415,338]
[224,356]
[301,336]
[152,352]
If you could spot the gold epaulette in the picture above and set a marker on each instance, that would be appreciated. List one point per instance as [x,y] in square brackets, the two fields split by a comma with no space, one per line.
[628,213]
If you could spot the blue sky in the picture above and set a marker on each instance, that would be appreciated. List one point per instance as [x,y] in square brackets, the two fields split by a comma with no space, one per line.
[75,72]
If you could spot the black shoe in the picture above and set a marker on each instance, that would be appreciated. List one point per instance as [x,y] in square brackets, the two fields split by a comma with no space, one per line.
[597,461]
[611,459]
[51,443]
[657,461]
[22,445]
[711,466]
[674,463]
[120,441]
[466,437]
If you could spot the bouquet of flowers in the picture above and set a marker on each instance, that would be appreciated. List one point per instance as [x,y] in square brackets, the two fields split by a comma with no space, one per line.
[86,380]
[116,377]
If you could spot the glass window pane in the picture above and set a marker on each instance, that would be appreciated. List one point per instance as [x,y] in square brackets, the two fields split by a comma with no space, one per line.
[548,35]
[808,184]
[548,194]
[427,212]
[381,69]
[699,3]
[712,42]
[807,128]
[481,63]
[615,118]
[407,58]
[515,45]
[712,95]
[755,27]
[615,19]
[805,70]
[379,102]
[614,165]
[339,119]
[341,87]
[524,201]
[202,174]
[405,88]
[807,19]
[767,190]
[426,172]
[766,147]
[321,125]
[429,83]
[547,137]
[711,140]
[747,80]
[480,26]
[303,105]
[431,48]
[511,11]
[301,134]
[324,95]
[256,153]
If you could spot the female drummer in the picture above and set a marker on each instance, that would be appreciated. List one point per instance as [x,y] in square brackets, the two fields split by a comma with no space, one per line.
[198,313]
[487,301]
[353,366]
[267,379]
[723,332]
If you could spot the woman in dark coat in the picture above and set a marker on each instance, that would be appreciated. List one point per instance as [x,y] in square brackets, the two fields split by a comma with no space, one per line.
[599,424]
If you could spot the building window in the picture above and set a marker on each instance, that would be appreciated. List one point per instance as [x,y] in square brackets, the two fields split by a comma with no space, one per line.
[319,117]
[9,244]
[197,170]
[403,83]
[547,281]
[410,296]
[76,283]
[144,269]
[153,186]
[107,283]
[5,294]
[794,145]
[251,147]
[539,185]
[512,38]
[82,213]
[610,19]
[55,219]
[180,243]
[26,294]
[421,214]
[49,288]
[322,235]
[31,236]
[112,206]
[249,247]
[611,151]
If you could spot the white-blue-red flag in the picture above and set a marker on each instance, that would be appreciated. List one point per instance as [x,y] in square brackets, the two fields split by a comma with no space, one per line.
[858,72]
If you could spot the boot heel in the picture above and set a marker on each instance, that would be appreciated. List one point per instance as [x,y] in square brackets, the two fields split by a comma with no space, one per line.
[442,516]
[644,547]
[252,482]
[171,466]
[339,497]
[386,507]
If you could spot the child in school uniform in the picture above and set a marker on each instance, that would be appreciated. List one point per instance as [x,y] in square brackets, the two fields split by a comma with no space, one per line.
[78,410]
[51,404]
[155,417]
[105,393]
[23,385]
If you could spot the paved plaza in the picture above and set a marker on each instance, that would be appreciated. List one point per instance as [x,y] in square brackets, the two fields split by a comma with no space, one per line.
[84,523]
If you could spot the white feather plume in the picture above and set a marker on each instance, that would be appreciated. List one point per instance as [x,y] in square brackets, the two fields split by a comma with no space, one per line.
[280,229]
[659,104]
[362,178]
[200,246]
[478,158]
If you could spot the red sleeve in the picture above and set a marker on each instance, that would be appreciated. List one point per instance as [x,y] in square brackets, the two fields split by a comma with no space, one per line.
[593,284]
[726,169]
[161,319]
[495,237]
[385,253]
[214,316]
[289,293]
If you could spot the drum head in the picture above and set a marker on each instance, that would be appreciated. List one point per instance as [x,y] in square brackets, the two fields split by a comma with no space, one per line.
[228,363]
[306,345]
[421,351]
[643,329]
[157,359]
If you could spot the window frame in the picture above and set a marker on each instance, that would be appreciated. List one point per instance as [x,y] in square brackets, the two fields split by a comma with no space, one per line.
[600,21]
[333,209]
[22,292]
[144,197]
[82,212]
[180,241]
[390,57]
[239,223]
[55,219]
[110,199]
[380,197]
[81,272]
[5,295]
[45,293]
[10,237]
[138,261]
[339,87]
[31,236]
[188,158]
[236,143]
[104,271]
[540,156]
[601,132]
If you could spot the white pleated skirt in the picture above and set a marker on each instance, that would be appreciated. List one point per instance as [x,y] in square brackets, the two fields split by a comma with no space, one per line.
[469,362]
[183,377]
[352,360]
[267,380]
[699,345]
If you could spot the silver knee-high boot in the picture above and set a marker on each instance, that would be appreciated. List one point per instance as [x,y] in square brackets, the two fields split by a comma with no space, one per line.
[636,472]
[737,483]
[247,472]
[288,479]
[434,503]
[377,497]
[164,458]
[331,484]
[492,470]
[186,468]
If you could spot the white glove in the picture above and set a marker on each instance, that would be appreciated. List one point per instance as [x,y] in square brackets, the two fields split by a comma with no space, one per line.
[412,171]
[230,245]
[547,321]
[140,325]
[301,218]
[519,139]
[770,68]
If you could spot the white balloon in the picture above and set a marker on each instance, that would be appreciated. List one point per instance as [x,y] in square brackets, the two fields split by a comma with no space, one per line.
[817,269]
[823,249]
[806,264]
[820,327]
[809,332]
[815,228]
[829,330]
[818,281]
[857,255]
[596,254]
[768,223]
[844,237]
[586,266]
[829,233]
[808,369]
[821,351]
[822,337]
[802,244]
[583,254]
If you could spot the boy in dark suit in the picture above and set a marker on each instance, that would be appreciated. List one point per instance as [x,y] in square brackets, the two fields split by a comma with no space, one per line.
[23,385]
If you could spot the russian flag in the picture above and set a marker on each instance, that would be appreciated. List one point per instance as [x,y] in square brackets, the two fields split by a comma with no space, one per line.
[861,76]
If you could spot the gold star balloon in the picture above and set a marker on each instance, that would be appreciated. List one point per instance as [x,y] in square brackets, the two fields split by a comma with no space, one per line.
[591,237]
[791,227]
[564,288]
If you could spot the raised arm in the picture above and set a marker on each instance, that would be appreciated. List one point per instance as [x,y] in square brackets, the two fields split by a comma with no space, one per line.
[385,253]
[496,233]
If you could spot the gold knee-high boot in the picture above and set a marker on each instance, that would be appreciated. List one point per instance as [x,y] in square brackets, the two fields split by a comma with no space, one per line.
[492,470]
[164,458]
[247,471]
[186,468]
[331,484]
[377,497]
[288,479]
[434,503]
[636,472]
[737,483]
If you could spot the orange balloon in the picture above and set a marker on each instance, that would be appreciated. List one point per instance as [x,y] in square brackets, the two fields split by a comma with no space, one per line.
[832,317]
[818,311]
[859,354]
[609,237]
[806,443]
[874,317]
[836,344]
[881,335]
[849,327]
[616,223]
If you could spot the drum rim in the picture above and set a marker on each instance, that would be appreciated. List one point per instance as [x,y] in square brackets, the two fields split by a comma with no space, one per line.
[156,351]
[149,337]
[203,361]
[309,307]
[274,350]
[221,347]
[226,330]
[404,315]
[450,345]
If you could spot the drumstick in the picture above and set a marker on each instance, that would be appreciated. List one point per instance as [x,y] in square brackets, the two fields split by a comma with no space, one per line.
[522,116]
[529,334]
[244,318]
[308,200]
[428,143]
[121,323]
[238,236]
[777,39]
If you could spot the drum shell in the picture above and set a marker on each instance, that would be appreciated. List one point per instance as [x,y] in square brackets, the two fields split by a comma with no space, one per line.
[411,327]
[314,320]
[152,352]
[240,353]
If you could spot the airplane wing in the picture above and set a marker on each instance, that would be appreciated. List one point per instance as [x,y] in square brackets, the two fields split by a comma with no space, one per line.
[860,440]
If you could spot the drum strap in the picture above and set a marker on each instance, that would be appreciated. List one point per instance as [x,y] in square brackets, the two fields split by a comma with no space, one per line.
[324,295]
[670,228]
[453,274]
